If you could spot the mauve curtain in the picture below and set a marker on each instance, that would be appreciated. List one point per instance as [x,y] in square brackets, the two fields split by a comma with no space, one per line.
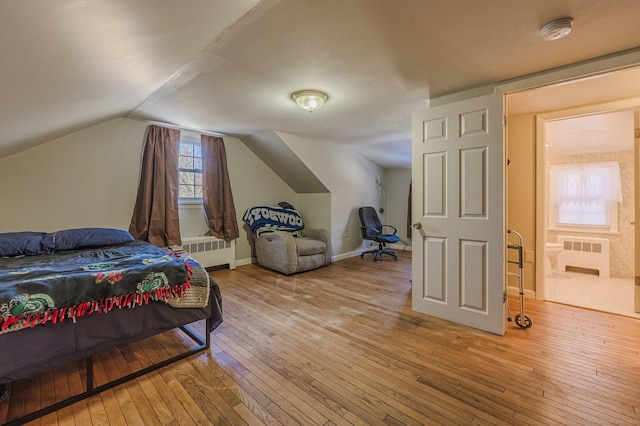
[220,212]
[155,215]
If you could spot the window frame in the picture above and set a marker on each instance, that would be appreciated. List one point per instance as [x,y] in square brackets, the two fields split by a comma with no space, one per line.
[191,138]
[553,213]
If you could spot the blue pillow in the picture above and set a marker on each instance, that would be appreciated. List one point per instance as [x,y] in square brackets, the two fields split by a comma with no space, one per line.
[20,243]
[74,239]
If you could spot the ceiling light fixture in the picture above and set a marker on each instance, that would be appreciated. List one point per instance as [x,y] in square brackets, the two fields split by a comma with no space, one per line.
[557,29]
[309,100]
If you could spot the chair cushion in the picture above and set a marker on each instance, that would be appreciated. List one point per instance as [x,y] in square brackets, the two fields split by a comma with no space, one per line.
[307,246]
[388,238]
[307,263]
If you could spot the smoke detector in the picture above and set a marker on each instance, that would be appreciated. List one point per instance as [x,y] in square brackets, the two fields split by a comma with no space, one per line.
[557,29]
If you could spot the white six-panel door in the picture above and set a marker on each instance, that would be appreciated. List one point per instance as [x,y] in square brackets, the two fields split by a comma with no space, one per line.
[458,209]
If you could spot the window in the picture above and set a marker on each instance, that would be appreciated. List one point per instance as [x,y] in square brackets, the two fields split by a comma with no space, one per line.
[190,167]
[585,197]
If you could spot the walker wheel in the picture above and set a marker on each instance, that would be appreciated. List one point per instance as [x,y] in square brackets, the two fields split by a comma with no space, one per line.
[523,323]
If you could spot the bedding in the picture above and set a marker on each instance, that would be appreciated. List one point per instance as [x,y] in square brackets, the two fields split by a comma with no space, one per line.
[21,243]
[61,307]
[31,243]
[37,290]
[73,239]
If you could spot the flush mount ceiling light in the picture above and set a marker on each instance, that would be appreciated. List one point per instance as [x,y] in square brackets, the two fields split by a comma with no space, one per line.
[309,100]
[557,29]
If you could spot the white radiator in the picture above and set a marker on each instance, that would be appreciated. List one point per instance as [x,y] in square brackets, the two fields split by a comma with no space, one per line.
[210,251]
[584,252]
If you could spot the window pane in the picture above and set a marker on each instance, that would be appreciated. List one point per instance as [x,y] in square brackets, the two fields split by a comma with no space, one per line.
[186,149]
[583,213]
[186,191]
[190,173]
[186,178]
[185,162]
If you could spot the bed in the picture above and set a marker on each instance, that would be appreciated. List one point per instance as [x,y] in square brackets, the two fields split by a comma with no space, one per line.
[69,295]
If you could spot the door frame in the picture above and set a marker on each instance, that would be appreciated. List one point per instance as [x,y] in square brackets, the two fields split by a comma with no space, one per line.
[570,73]
[541,170]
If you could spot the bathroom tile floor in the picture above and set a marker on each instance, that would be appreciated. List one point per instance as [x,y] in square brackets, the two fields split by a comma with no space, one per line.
[613,295]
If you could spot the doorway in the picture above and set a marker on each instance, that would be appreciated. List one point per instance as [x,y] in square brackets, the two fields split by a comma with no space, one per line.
[589,193]
[524,198]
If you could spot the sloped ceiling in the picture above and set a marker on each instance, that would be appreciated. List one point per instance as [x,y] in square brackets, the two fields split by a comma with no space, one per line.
[229,66]
[72,63]
[276,154]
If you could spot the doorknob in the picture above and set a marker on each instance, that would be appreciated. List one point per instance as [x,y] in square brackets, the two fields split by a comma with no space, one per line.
[417,225]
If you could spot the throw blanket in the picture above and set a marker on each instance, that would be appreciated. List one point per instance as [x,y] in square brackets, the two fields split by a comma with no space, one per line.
[69,284]
[268,219]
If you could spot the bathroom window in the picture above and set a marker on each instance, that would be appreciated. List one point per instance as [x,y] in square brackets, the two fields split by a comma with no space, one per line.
[585,196]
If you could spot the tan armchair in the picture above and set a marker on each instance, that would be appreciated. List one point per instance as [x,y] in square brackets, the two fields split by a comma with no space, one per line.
[282,252]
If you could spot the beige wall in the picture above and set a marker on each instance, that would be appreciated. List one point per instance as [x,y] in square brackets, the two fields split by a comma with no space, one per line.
[351,180]
[90,178]
[252,183]
[315,210]
[521,191]
[397,202]
[87,178]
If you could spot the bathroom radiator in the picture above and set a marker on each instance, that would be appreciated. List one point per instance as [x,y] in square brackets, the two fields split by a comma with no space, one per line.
[584,252]
[210,251]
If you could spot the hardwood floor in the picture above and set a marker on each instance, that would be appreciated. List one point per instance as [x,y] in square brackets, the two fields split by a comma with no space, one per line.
[341,345]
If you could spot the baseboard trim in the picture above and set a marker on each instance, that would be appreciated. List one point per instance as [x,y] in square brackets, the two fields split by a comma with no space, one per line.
[343,256]
[358,252]
[515,291]
[401,246]
[247,261]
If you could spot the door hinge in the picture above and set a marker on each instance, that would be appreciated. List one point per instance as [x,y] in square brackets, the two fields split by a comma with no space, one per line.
[504,296]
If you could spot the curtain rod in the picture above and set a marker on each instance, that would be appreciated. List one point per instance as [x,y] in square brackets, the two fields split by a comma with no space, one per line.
[188,129]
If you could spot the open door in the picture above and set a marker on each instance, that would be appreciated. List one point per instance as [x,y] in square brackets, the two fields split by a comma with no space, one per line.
[458,208]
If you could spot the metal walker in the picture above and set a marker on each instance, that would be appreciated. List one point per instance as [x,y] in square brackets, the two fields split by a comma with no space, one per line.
[521,319]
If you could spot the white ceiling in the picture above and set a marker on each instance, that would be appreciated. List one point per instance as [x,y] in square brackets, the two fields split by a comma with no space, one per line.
[608,132]
[229,66]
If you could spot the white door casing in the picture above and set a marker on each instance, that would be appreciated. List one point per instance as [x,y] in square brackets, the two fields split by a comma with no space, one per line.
[459,237]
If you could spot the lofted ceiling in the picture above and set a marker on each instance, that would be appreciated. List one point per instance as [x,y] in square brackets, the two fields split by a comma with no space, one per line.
[229,66]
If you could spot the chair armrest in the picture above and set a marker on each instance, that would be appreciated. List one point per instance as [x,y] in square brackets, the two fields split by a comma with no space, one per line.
[320,235]
[392,227]
[277,250]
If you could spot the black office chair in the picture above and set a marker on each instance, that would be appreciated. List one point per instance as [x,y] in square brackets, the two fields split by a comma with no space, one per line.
[372,230]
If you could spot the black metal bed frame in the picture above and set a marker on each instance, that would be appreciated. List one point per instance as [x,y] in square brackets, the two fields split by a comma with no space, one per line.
[203,343]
